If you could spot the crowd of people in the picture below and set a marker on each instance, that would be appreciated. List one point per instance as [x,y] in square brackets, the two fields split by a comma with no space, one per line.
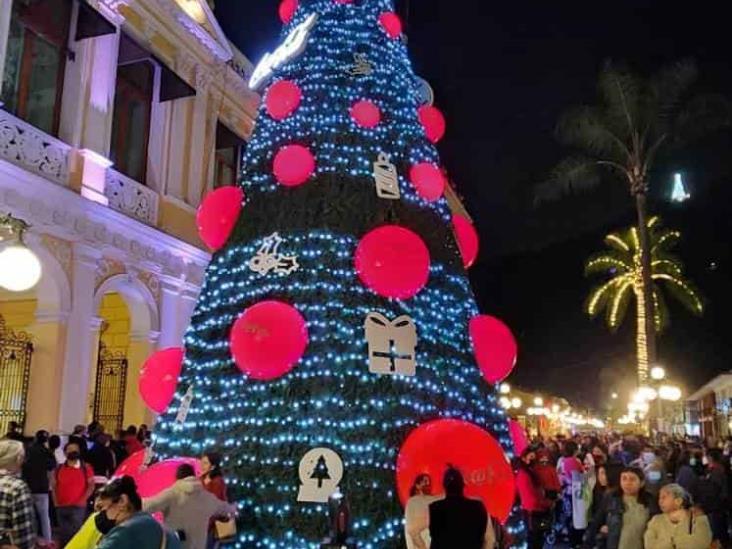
[60,493]
[616,492]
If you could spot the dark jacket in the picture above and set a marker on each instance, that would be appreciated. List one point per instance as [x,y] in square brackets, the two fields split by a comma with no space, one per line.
[102,460]
[457,522]
[689,481]
[610,513]
[39,461]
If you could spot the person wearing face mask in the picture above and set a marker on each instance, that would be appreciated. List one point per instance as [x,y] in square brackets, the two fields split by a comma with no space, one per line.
[714,495]
[654,470]
[416,512]
[73,484]
[677,526]
[122,523]
[536,506]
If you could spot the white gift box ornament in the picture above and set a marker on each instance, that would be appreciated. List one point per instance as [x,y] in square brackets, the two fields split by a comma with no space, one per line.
[392,344]
[321,469]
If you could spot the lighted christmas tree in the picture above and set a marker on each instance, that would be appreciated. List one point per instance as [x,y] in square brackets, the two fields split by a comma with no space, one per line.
[337,344]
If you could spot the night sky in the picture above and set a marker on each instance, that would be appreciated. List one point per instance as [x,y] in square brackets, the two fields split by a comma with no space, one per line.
[502,74]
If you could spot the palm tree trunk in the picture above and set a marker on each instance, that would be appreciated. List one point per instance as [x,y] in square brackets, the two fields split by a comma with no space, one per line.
[646,336]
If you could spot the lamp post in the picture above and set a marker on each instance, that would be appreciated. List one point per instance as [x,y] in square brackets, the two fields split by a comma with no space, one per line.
[20,268]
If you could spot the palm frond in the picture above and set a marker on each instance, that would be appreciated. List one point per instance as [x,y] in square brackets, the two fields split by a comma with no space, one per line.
[571,175]
[584,128]
[617,242]
[617,307]
[668,90]
[621,92]
[664,240]
[666,267]
[607,261]
[684,292]
[599,297]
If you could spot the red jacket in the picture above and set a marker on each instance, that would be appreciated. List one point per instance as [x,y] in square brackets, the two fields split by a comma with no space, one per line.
[531,494]
[548,477]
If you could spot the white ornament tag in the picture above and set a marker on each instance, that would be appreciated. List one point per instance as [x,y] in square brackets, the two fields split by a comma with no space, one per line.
[392,344]
[361,65]
[292,47]
[268,258]
[386,177]
[185,406]
[321,469]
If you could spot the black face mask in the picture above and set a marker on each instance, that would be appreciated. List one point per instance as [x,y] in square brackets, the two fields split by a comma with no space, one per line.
[103,523]
[73,456]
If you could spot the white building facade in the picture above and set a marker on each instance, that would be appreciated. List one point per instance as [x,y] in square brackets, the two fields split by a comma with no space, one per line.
[118,116]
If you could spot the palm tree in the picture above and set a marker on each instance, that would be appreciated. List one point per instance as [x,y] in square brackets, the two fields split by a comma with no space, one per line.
[622,136]
[622,266]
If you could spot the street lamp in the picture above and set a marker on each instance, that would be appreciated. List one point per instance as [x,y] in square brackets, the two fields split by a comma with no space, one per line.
[516,402]
[658,373]
[538,401]
[20,268]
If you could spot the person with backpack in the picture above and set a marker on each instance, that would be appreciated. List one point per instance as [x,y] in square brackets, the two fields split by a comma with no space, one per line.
[73,484]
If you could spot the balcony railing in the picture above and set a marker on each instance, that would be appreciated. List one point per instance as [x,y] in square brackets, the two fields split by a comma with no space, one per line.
[131,198]
[33,150]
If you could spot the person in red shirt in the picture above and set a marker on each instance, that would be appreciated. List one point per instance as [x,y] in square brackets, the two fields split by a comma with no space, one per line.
[536,506]
[132,443]
[547,473]
[73,484]
[213,480]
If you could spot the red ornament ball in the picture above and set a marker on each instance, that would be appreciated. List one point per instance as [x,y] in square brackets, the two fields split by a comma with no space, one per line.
[467,239]
[268,339]
[391,24]
[287,10]
[494,347]
[366,114]
[393,262]
[159,378]
[161,476]
[432,121]
[518,436]
[283,98]
[475,453]
[217,215]
[428,180]
[293,165]
[131,466]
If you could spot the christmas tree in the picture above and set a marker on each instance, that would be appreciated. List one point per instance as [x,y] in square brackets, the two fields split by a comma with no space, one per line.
[336,318]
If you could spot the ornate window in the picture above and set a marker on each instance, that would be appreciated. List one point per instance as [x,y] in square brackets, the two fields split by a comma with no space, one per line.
[35,61]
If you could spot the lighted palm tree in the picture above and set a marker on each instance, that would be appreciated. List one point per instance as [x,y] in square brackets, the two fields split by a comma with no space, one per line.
[621,263]
[622,136]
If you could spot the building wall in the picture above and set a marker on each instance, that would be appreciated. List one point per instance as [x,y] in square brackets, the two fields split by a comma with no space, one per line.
[115,332]
[19,315]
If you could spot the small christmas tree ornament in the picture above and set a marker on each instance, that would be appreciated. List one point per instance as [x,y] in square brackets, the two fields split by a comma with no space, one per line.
[217,215]
[268,258]
[361,65]
[283,98]
[293,165]
[366,114]
[467,239]
[428,180]
[391,24]
[320,471]
[386,178]
[185,406]
[494,347]
[391,344]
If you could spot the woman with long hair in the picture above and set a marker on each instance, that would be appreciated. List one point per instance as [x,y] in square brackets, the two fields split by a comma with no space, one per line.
[416,512]
[621,518]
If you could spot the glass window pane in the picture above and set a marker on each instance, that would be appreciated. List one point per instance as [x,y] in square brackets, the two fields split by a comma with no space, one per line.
[13,59]
[42,87]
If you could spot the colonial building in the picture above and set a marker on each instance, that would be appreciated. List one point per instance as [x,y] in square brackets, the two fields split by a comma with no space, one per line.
[117,117]
[709,409]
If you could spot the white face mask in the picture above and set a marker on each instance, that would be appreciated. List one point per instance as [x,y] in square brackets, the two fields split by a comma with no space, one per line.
[692,461]
[648,457]
[705,461]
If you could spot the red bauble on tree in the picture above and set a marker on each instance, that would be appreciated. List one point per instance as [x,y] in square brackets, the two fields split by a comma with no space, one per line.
[428,180]
[293,165]
[487,473]
[287,10]
[432,121]
[366,114]
[283,98]
[161,476]
[518,436]
[391,24]
[159,378]
[132,466]
[494,347]
[268,339]
[393,262]
[467,239]
[217,215]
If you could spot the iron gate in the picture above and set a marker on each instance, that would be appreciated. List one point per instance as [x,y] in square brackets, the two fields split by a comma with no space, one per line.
[109,390]
[16,352]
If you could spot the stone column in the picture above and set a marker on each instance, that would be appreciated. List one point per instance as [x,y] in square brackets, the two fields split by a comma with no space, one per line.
[80,348]
[141,346]
[170,298]
[44,387]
